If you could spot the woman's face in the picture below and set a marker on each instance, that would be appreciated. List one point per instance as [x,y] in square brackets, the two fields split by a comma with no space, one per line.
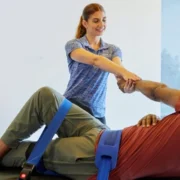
[96,24]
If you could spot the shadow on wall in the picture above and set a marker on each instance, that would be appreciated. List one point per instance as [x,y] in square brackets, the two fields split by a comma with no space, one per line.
[170,75]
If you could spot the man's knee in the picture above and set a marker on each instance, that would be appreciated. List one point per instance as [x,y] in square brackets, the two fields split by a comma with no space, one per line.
[44,90]
[45,94]
[48,94]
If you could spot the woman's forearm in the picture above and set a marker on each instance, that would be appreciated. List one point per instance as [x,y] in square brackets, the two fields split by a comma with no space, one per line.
[107,65]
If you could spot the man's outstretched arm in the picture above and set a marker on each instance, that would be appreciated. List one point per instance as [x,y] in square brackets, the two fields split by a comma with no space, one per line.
[155,91]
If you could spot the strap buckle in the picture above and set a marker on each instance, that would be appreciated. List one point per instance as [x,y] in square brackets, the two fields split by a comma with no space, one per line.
[26,172]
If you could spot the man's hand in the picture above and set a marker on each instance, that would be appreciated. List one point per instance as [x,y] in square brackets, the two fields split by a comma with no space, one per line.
[148,120]
[126,86]
[129,86]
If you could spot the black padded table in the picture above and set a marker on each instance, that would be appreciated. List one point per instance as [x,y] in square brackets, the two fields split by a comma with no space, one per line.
[13,174]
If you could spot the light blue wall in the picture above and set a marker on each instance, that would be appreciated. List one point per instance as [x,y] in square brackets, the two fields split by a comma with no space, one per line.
[170,57]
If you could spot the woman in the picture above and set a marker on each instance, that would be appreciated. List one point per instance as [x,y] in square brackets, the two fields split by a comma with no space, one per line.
[90,60]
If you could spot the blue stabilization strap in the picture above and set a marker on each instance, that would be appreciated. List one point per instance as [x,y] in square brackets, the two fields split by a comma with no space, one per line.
[107,153]
[46,138]
[49,132]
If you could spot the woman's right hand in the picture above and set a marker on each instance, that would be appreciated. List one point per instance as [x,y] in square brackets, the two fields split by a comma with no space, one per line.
[128,75]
